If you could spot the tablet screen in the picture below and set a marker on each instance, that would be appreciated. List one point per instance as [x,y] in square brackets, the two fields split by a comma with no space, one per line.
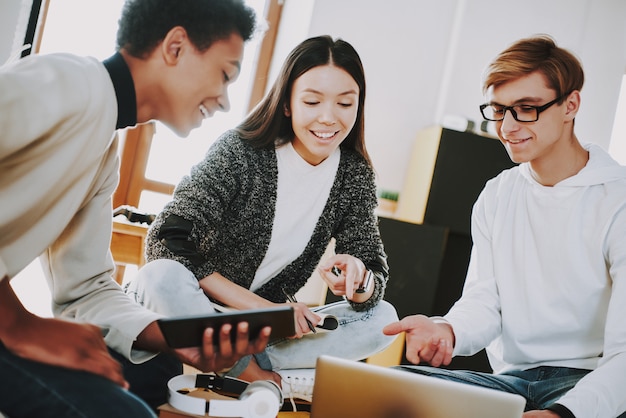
[187,331]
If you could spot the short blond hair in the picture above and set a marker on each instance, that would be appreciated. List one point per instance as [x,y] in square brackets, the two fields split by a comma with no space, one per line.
[562,69]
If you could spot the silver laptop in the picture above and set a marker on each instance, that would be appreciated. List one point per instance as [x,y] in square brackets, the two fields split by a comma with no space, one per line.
[345,388]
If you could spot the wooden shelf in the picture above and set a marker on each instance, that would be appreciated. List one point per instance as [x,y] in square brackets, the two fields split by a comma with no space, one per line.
[127,245]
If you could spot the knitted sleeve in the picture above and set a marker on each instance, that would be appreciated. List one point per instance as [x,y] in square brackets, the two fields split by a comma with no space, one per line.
[357,232]
[189,227]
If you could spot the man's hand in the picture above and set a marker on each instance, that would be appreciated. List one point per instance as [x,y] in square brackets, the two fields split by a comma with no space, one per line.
[540,414]
[65,344]
[209,358]
[426,341]
[53,341]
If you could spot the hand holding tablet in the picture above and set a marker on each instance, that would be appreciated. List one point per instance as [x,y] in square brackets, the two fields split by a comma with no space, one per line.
[180,332]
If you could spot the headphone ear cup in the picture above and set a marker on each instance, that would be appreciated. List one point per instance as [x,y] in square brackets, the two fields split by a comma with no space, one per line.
[261,399]
[266,384]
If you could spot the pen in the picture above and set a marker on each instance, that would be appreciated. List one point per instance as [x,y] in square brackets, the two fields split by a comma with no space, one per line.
[292,299]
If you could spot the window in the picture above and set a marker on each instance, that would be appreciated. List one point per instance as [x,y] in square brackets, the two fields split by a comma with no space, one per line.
[172,157]
[89,28]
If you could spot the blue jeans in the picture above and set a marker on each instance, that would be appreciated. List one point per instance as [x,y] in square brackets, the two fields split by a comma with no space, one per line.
[359,336]
[168,287]
[541,386]
[31,389]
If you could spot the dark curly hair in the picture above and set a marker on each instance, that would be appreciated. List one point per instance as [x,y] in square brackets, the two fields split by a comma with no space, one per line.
[144,23]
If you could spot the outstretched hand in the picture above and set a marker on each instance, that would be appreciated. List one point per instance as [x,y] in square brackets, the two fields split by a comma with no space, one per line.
[426,341]
[211,358]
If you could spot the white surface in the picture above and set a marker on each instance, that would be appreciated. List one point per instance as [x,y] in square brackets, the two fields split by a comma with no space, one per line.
[31,288]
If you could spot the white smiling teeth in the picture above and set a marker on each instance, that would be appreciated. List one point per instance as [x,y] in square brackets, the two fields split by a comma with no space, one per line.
[324,134]
[204,111]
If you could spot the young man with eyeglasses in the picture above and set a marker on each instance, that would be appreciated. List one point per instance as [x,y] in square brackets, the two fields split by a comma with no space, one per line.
[545,291]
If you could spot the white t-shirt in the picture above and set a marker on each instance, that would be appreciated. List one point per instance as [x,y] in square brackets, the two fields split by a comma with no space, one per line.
[302,192]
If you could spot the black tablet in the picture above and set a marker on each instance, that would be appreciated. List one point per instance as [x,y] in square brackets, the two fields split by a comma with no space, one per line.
[187,331]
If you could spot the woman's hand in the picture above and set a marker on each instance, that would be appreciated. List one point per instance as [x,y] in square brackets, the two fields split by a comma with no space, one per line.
[304,318]
[352,275]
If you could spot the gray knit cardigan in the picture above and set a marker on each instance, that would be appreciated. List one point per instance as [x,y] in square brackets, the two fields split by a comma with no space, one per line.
[221,215]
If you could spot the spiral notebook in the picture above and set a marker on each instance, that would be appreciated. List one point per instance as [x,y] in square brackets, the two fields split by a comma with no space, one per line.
[345,388]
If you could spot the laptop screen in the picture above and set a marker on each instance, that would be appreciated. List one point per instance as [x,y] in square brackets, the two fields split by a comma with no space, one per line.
[345,388]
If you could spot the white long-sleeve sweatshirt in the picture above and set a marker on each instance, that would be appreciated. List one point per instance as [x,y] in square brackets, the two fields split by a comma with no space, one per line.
[546,284]
[58,170]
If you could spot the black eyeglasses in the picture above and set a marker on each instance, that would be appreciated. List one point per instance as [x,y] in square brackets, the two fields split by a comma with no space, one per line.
[521,113]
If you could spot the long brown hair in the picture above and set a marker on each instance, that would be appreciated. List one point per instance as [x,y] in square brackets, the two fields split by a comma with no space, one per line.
[266,124]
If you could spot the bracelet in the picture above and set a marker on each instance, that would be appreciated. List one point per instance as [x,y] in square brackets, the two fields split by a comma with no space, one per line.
[367,283]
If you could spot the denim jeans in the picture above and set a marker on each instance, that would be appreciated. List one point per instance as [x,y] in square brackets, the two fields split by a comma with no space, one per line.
[31,389]
[148,380]
[541,386]
[168,287]
[359,336]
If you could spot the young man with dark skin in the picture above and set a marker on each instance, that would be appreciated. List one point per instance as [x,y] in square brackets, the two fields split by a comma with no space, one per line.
[545,291]
[59,114]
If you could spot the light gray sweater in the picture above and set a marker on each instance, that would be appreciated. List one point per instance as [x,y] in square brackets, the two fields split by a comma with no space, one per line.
[58,169]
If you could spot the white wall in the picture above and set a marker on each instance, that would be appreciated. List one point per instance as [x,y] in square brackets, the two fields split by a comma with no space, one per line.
[424,59]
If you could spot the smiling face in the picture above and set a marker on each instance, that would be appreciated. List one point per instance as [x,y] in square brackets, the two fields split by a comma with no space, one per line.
[199,82]
[533,141]
[323,109]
